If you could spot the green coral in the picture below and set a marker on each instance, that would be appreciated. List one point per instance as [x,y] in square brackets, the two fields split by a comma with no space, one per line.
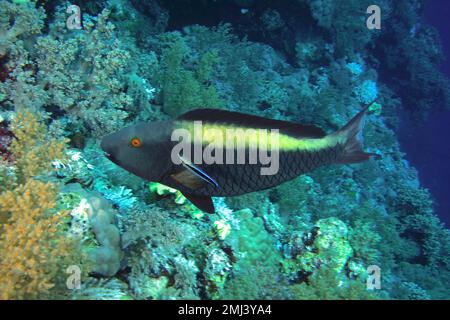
[20,1]
[158,191]
[365,241]
[293,195]
[186,87]
[345,21]
[256,274]
[222,228]
[326,286]
[376,108]
[253,240]
[330,248]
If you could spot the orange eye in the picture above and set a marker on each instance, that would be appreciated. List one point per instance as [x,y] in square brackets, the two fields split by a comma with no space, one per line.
[136,142]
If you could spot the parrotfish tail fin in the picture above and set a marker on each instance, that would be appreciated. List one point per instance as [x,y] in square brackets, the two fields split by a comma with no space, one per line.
[353,150]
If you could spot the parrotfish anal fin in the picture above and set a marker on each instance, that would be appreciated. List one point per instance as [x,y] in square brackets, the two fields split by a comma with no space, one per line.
[245,120]
[192,176]
[204,203]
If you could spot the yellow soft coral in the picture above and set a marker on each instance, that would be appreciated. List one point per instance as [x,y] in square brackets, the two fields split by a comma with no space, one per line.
[34,252]
[32,246]
[33,150]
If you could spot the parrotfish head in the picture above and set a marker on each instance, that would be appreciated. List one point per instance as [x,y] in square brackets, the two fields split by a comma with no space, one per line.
[142,149]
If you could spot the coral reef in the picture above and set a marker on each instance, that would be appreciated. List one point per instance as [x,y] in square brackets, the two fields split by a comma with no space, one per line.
[62,203]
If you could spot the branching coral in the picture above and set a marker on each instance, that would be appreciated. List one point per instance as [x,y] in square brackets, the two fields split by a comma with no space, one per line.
[19,22]
[33,149]
[19,25]
[183,89]
[33,248]
[161,254]
[83,75]
[325,286]
[345,20]
[365,240]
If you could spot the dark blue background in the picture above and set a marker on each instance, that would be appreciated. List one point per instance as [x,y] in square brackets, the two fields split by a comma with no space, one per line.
[428,145]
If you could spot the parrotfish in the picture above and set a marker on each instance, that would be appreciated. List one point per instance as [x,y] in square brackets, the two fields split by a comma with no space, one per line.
[261,153]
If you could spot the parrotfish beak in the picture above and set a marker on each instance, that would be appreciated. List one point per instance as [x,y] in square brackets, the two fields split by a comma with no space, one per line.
[107,146]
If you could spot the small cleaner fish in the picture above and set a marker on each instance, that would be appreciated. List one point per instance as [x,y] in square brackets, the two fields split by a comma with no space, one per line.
[146,150]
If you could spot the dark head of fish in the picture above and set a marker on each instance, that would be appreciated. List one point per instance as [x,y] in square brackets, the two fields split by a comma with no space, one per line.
[142,149]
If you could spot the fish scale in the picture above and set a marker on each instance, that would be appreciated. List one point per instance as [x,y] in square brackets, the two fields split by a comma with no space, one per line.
[236,179]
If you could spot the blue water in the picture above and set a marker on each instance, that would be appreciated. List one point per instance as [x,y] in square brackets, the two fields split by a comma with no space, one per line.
[426,145]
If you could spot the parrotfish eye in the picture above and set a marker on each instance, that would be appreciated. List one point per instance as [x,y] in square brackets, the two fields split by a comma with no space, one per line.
[136,142]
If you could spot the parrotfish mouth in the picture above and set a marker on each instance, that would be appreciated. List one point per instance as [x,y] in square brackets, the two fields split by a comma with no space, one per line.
[105,148]
[110,157]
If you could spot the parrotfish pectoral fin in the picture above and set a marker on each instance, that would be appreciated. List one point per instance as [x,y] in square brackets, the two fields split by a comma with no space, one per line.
[192,176]
[204,203]
[186,178]
[353,150]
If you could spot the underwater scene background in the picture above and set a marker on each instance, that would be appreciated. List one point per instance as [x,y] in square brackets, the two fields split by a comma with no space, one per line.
[76,226]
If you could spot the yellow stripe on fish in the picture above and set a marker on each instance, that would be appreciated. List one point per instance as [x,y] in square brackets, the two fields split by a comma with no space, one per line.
[220,135]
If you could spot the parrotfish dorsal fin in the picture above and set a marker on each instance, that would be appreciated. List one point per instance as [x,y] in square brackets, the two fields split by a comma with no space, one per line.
[251,121]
